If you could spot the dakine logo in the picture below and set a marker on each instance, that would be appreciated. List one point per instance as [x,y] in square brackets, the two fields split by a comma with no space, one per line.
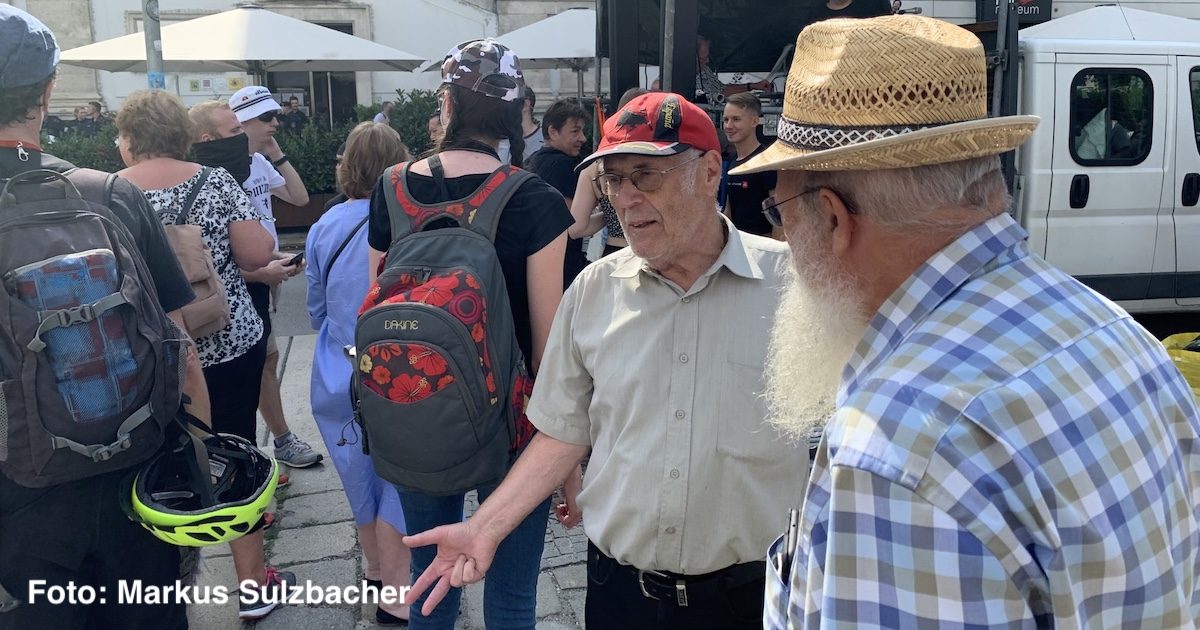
[400,324]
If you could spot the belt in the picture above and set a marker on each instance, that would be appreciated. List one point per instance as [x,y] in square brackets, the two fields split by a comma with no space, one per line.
[683,590]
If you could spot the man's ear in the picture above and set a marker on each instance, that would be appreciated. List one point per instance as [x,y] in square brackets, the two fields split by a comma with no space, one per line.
[45,104]
[710,167]
[842,223]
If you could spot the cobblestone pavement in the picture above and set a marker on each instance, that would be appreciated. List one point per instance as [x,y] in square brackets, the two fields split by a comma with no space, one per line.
[316,539]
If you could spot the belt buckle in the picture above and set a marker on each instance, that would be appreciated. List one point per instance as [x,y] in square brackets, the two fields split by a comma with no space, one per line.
[681,597]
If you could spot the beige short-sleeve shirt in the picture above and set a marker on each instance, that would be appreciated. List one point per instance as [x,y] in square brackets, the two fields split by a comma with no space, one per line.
[665,385]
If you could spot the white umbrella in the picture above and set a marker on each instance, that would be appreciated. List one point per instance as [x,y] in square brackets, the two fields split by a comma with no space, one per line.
[566,40]
[246,39]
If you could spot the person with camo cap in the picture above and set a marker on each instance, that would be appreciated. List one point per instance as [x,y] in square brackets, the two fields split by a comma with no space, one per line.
[480,102]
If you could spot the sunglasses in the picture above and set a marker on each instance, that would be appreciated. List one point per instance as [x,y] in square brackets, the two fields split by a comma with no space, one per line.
[770,207]
[643,179]
[269,116]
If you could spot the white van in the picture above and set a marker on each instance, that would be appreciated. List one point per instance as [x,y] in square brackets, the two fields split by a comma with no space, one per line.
[1108,185]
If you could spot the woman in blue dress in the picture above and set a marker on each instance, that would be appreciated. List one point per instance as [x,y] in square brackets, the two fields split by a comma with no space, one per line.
[337,284]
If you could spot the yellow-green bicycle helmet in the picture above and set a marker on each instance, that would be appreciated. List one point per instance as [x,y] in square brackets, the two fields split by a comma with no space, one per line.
[192,498]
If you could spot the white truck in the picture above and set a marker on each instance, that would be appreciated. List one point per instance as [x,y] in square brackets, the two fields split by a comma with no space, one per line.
[1108,185]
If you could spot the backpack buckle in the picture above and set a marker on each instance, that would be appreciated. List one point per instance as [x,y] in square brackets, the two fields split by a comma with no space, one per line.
[76,315]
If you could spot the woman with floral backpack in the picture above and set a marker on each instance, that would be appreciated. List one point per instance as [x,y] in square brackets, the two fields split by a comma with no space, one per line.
[480,103]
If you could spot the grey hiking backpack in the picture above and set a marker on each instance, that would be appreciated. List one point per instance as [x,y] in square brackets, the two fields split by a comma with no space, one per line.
[441,386]
[90,368]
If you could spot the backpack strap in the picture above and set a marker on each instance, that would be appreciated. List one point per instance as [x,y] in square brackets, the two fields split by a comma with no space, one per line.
[338,251]
[95,186]
[479,211]
[181,217]
[439,175]
[499,188]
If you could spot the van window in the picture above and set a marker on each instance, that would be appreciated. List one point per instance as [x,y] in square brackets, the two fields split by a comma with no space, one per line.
[1111,116]
[1195,86]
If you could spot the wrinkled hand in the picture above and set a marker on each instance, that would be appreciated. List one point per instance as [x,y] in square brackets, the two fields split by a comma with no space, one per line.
[568,512]
[463,557]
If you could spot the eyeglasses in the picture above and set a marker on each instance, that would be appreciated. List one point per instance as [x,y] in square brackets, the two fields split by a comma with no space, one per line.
[269,116]
[643,179]
[770,207]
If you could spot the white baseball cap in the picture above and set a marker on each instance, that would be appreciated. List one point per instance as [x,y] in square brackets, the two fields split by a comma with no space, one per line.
[252,101]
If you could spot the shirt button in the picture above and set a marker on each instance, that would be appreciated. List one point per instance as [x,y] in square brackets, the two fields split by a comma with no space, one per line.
[680,414]
[675,473]
[687,300]
[670,530]
[683,358]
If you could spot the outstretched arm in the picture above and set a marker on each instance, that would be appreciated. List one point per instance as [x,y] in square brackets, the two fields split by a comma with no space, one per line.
[465,550]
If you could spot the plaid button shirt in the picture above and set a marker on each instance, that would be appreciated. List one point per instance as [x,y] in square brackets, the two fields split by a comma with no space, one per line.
[1010,450]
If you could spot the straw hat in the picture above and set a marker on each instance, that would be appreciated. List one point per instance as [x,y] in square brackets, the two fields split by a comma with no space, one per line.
[889,92]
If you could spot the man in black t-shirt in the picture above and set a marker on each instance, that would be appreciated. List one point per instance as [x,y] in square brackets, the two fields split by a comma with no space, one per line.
[562,125]
[745,193]
[75,532]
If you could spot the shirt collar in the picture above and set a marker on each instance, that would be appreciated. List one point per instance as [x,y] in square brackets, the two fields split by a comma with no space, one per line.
[733,256]
[970,255]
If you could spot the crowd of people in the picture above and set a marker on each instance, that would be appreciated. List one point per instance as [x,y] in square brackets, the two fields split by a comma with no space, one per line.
[841,336]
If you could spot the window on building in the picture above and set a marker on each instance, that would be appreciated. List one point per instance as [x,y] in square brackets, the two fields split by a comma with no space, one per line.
[1111,116]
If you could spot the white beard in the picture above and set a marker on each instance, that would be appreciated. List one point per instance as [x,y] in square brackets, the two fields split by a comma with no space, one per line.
[820,321]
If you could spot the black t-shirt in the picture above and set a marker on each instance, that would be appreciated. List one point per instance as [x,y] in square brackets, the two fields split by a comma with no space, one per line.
[130,206]
[745,194]
[294,121]
[558,169]
[535,216]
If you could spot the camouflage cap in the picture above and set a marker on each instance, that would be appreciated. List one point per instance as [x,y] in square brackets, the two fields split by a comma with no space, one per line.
[487,67]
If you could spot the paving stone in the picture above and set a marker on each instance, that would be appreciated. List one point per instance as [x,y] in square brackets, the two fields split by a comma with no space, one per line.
[214,617]
[314,509]
[566,545]
[576,598]
[558,561]
[217,571]
[306,544]
[309,480]
[547,597]
[339,572]
[472,606]
[571,577]
[553,624]
[306,618]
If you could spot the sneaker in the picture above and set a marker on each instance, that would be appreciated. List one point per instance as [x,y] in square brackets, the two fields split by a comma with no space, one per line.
[268,596]
[297,453]
[283,481]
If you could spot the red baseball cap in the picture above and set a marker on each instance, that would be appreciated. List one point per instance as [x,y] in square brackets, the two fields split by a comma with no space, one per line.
[658,124]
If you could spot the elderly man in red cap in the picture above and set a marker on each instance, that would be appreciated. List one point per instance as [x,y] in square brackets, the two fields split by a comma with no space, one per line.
[654,363]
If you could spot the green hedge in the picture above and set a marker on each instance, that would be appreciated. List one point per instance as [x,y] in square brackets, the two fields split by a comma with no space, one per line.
[98,151]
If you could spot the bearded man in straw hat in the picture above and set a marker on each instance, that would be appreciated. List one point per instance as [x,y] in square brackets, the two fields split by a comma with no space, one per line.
[1002,447]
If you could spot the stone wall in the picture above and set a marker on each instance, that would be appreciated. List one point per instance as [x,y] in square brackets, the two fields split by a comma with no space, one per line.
[71,21]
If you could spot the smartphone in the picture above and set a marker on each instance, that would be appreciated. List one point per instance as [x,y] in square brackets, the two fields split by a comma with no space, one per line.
[295,260]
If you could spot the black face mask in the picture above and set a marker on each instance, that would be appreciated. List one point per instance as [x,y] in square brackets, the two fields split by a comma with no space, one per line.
[231,154]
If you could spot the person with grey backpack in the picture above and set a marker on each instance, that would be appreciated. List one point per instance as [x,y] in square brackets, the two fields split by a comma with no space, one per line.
[450,336]
[93,363]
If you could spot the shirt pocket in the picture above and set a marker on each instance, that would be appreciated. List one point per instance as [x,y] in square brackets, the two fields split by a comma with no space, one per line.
[778,588]
[743,430]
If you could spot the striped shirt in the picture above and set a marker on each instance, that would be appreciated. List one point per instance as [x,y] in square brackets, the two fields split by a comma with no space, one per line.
[1010,450]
